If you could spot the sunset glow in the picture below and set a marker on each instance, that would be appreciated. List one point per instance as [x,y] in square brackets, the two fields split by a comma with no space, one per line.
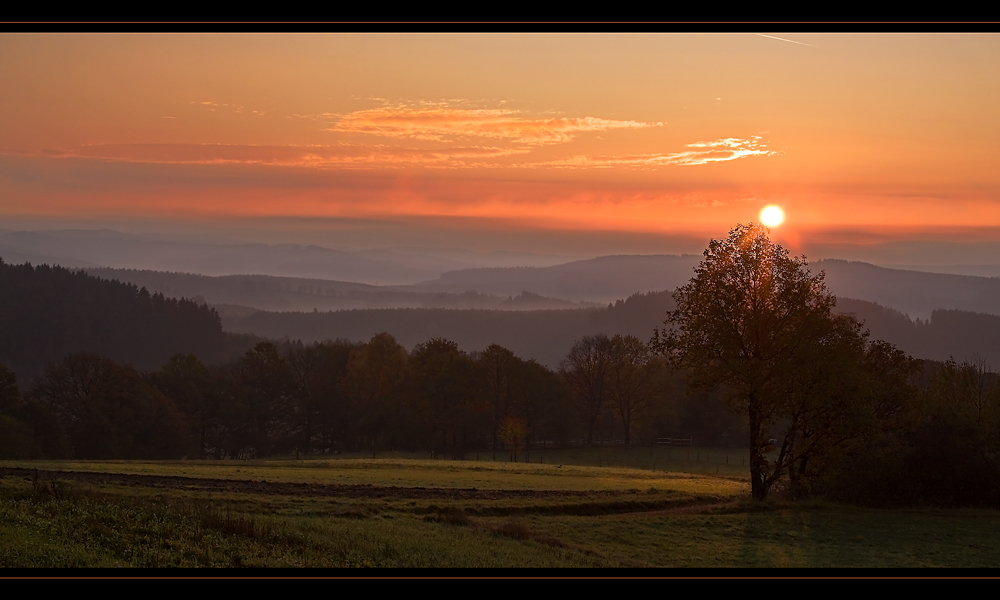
[616,137]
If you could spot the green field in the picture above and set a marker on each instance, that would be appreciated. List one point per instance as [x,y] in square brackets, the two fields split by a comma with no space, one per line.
[416,512]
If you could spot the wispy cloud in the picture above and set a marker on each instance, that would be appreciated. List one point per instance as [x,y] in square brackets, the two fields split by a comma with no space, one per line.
[321,157]
[444,123]
[450,133]
[381,156]
[701,153]
[211,106]
[785,40]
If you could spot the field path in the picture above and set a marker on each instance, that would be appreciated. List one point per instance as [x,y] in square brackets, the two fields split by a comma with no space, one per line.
[294,489]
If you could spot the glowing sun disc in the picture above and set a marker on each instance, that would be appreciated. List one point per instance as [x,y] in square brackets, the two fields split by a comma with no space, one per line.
[772,216]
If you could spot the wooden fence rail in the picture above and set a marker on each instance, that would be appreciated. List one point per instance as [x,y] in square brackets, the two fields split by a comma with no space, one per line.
[674,442]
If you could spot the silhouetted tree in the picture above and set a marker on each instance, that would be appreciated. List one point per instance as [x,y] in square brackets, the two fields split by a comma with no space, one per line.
[741,322]
[9,394]
[442,393]
[375,374]
[546,404]
[632,375]
[17,439]
[319,372]
[109,411]
[195,390]
[267,381]
[585,370]
[497,366]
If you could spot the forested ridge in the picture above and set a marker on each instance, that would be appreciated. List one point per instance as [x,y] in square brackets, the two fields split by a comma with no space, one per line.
[49,312]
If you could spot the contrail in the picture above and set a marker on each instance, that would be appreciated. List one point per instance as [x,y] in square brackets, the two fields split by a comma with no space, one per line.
[784,40]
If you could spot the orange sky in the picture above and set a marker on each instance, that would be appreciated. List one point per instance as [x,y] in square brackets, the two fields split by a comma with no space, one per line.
[530,137]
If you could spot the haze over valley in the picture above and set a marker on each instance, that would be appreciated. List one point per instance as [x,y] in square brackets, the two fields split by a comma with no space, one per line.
[931,315]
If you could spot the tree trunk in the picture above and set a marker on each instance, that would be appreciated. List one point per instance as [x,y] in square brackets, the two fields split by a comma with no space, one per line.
[758,462]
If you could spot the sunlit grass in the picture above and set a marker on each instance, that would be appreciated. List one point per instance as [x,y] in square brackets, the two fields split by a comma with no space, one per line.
[417,473]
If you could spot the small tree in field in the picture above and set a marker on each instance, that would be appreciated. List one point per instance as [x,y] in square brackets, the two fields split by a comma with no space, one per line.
[512,431]
[745,322]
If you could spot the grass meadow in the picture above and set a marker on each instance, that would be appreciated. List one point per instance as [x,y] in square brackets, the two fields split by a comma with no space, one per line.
[571,509]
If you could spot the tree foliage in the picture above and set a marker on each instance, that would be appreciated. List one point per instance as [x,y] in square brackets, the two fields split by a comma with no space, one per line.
[108,411]
[632,380]
[585,370]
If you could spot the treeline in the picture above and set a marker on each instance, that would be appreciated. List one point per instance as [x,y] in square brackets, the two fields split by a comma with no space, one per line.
[47,313]
[331,397]
[932,438]
[939,444]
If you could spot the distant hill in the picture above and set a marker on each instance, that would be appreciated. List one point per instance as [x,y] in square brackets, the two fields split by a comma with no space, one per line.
[299,294]
[114,249]
[604,279]
[16,256]
[975,270]
[547,336]
[611,277]
[913,292]
[118,250]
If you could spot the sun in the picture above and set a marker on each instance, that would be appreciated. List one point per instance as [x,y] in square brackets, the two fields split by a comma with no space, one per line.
[772,216]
